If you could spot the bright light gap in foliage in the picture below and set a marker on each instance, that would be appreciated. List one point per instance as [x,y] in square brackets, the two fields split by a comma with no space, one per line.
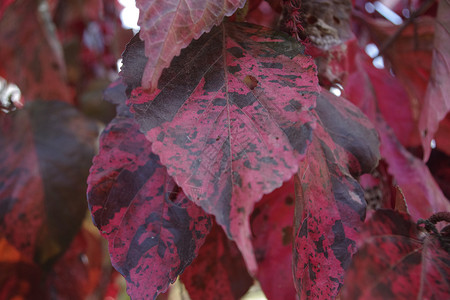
[9,94]
[129,15]
[385,12]
[336,89]
[372,50]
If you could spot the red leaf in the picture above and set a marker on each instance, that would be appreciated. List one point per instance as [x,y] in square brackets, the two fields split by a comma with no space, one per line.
[437,99]
[272,228]
[423,195]
[4,5]
[47,149]
[396,261]
[81,265]
[31,54]
[330,203]
[409,56]
[169,26]
[219,272]
[369,88]
[374,90]
[224,143]
[153,230]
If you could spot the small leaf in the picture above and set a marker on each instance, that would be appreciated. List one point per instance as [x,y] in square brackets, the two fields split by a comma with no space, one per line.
[154,232]
[169,26]
[219,272]
[225,144]
[396,261]
[46,150]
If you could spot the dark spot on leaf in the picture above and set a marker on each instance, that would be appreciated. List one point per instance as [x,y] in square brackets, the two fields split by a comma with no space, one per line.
[289,200]
[236,51]
[234,69]
[250,81]
[303,232]
[271,65]
[219,102]
[287,235]
[342,245]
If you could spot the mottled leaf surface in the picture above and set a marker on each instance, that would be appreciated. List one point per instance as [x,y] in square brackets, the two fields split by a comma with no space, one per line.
[46,150]
[219,272]
[153,230]
[396,261]
[169,26]
[330,205]
[437,99]
[272,229]
[231,119]
[37,68]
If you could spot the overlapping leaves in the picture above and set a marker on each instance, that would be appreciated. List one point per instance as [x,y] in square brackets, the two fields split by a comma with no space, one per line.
[230,120]
[395,260]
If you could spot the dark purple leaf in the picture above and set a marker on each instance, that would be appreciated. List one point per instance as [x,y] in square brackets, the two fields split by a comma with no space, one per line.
[46,150]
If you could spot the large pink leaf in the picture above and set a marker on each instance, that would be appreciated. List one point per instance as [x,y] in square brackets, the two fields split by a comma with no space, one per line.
[273,234]
[437,99]
[397,261]
[231,119]
[153,230]
[169,26]
[46,150]
[219,272]
[330,205]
